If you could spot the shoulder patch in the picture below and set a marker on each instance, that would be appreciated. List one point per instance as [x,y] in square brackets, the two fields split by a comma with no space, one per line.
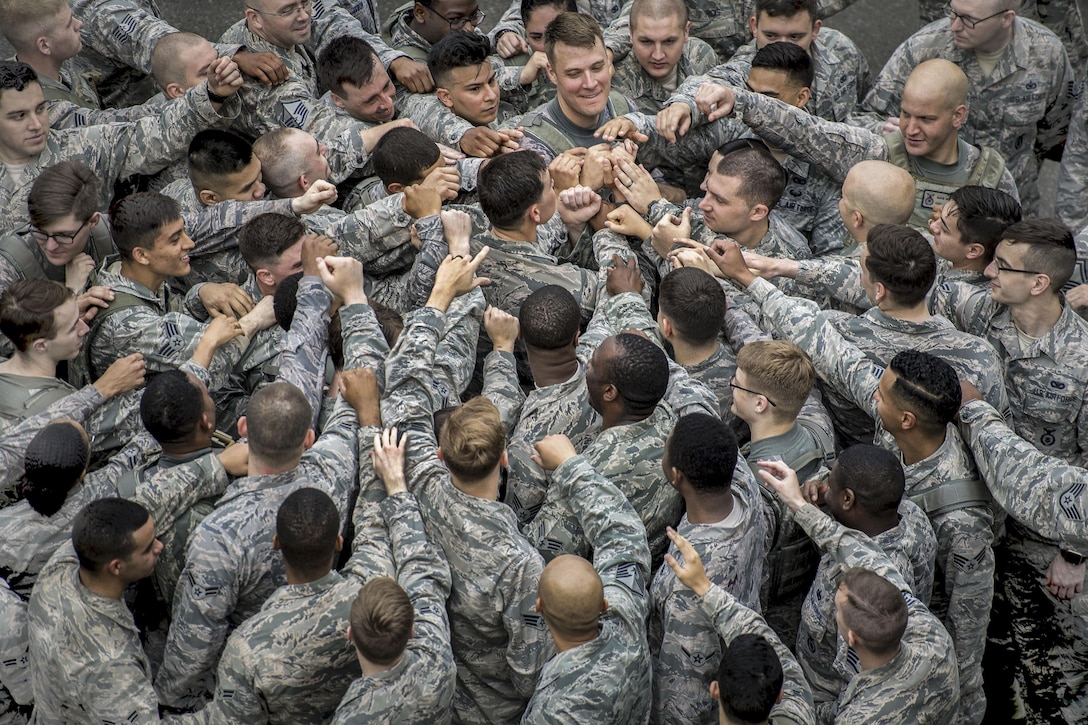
[1069,500]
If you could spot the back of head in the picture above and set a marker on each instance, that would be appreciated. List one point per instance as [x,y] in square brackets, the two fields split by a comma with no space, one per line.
[659,10]
[307,529]
[168,57]
[704,449]
[473,440]
[171,406]
[458,49]
[282,161]
[1051,249]
[15,76]
[509,184]
[762,178]
[983,215]
[694,303]
[214,154]
[786,8]
[927,386]
[549,318]
[103,531]
[781,371]
[381,620]
[750,679]
[27,20]
[55,460]
[788,58]
[403,155]
[277,419]
[874,610]
[881,191]
[901,259]
[27,310]
[574,30]
[874,474]
[346,60]
[67,187]
[266,236]
[138,219]
[571,595]
[640,372]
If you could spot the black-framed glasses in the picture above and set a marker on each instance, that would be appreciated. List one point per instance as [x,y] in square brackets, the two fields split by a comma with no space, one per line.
[734,386]
[306,6]
[968,21]
[1002,268]
[62,238]
[474,20]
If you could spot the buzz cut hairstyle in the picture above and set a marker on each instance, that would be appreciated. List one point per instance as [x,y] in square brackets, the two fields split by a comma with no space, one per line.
[402,155]
[166,65]
[573,29]
[763,180]
[27,20]
[781,371]
[659,10]
[346,59]
[457,50]
[786,8]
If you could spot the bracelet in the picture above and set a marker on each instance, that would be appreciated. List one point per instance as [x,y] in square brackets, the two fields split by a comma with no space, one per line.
[216,98]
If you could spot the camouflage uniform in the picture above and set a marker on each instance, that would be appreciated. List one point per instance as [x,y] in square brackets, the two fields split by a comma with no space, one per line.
[683,641]
[649,94]
[605,680]
[1069,205]
[377,235]
[722,25]
[72,87]
[840,75]
[115,151]
[1047,381]
[1032,90]
[732,619]
[549,132]
[1045,499]
[16,694]
[499,642]
[834,148]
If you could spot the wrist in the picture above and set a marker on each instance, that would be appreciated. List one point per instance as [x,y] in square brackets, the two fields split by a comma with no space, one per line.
[440,300]
[701,587]
[215,97]
[1071,557]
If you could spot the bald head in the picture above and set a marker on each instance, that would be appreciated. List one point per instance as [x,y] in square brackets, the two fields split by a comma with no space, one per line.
[881,192]
[938,79]
[181,61]
[571,596]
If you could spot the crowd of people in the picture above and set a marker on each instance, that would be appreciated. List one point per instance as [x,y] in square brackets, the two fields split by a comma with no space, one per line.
[627,364]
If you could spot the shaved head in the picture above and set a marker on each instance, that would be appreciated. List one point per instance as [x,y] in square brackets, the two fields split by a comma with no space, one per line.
[938,79]
[882,192]
[571,596]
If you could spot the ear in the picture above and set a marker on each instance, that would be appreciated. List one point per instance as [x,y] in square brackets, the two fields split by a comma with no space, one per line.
[687,32]
[337,100]
[975,251]
[1040,284]
[339,543]
[908,420]
[851,639]
[438,453]
[114,567]
[714,691]
[347,633]
[93,221]
[173,90]
[610,392]
[604,605]
[534,213]
[308,441]
[959,116]
[208,197]
[275,542]
[206,423]
[551,73]
[419,13]
[304,182]
[504,461]
[848,499]
[243,427]
[139,256]
[539,606]
[41,44]
[444,96]
[265,277]
[394,188]
[803,97]
[665,324]
[253,19]
[752,24]
[759,212]
[816,27]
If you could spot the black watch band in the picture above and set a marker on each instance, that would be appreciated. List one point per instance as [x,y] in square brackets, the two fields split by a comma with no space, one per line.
[216,98]
[1072,557]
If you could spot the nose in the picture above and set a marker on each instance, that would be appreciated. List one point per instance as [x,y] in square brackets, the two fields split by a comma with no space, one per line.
[187,243]
[259,190]
[83,328]
[658,53]
[956,19]
[991,270]
[322,149]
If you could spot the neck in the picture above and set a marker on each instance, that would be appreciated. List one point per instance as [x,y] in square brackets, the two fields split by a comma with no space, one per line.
[917,445]
[1038,315]
[947,154]
[565,642]
[753,235]
[30,365]
[685,353]
[708,508]
[43,65]
[144,275]
[917,313]
[486,488]
[372,670]
[617,416]
[183,449]
[551,367]
[258,467]
[105,586]
[763,427]
[525,233]
[998,43]
[874,526]
[578,119]
[975,264]
[295,576]
[869,661]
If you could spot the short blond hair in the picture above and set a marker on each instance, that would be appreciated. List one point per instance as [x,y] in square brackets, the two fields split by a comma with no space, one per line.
[781,371]
[27,20]
[473,439]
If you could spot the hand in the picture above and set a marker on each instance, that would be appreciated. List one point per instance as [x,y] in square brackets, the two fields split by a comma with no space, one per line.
[533,67]
[502,327]
[553,451]
[727,255]
[359,387]
[620,128]
[814,491]
[513,138]
[224,78]
[77,271]
[388,459]
[319,194]
[235,459]
[783,480]
[579,205]
[261,317]
[411,74]
[624,276]
[1078,296]
[628,222]
[123,375]
[455,277]
[446,180]
[1065,580]
[691,573]
[421,201]
[669,229]
[344,278]
[457,228]
[636,183]
[451,155]
[715,101]
[693,254]
[371,136]
[265,67]
[566,169]
[94,298]
[771,267]
[220,331]
[481,141]
[509,44]
[674,120]
[225,299]
[597,168]
[891,125]
[315,247]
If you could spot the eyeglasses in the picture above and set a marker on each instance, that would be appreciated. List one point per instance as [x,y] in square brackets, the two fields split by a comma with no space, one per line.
[1003,268]
[474,20]
[969,22]
[734,386]
[62,238]
[305,6]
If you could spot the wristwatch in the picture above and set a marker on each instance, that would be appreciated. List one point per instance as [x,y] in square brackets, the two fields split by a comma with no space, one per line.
[1072,557]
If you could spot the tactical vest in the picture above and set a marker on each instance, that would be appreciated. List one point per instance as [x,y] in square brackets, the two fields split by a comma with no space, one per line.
[537,125]
[928,193]
[84,371]
[952,496]
[17,249]
[18,402]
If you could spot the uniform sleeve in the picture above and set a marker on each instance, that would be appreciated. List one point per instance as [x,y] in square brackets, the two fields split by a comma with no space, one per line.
[836,277]
[886,92]
[502,388]
[170,492]
[1066,90]
[122,30]
[116,690]
[215,228]
[528,645]
[436,121]
[237,696]
[1073,177]
[305,347]
[14,646]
